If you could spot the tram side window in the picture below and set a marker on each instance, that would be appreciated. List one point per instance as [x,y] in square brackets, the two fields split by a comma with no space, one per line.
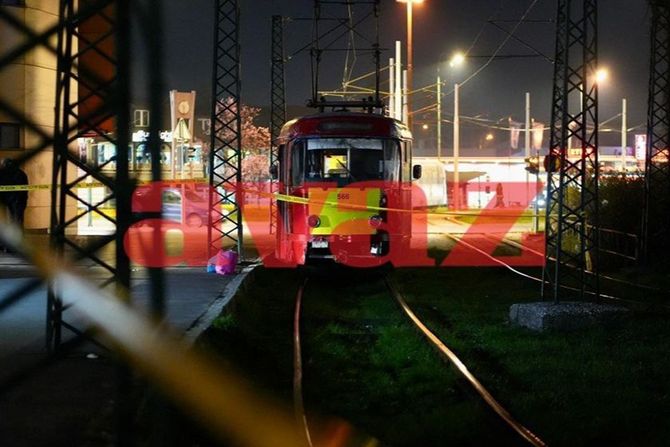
[406,161]
[297,163]
[391,164]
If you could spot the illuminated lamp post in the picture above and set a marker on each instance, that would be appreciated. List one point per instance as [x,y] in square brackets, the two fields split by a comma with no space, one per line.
[456,61]
[410,57]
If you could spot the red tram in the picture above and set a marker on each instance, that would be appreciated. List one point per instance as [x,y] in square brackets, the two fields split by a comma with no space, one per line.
[345,189]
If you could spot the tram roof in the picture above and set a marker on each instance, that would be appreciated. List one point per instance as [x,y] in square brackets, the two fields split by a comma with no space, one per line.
[344,124]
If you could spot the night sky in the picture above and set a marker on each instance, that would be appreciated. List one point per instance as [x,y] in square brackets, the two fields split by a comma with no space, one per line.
[440,28]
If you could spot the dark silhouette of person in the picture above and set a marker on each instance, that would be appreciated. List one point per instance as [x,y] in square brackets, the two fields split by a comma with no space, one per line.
[500,203]
[16,201]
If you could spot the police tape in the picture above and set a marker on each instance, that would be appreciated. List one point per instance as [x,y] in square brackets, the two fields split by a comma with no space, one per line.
[87,185]
[24,187]
[276,196]
[482,212]
[281,198]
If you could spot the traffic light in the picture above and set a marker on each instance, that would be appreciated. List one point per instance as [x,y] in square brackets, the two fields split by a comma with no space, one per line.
[532,164]
[552,163]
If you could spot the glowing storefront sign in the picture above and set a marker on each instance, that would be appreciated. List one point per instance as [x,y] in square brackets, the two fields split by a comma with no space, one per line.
[141,136]
[640,146]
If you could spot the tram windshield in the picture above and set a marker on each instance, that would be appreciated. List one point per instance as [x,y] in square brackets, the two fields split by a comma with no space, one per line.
[348,160]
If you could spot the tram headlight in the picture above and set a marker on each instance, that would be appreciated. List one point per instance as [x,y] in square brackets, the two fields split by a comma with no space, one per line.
[375,221]
[313,221]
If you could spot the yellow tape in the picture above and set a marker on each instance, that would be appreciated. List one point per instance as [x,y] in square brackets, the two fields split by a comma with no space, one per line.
[276,196]
[24,187]
[96,184]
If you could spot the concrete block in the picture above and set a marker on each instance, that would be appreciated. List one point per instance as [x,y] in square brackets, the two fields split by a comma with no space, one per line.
[565,316]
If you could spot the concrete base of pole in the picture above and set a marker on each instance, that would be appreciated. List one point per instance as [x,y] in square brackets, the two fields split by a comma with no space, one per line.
[566,316]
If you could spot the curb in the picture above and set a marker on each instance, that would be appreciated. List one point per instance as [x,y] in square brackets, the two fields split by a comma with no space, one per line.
[204,321]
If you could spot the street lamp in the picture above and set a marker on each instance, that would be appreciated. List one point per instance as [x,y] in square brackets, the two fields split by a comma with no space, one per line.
[601,75]
[457,60]
[410,57]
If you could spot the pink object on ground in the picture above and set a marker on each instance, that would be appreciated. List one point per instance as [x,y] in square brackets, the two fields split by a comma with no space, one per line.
[226,262]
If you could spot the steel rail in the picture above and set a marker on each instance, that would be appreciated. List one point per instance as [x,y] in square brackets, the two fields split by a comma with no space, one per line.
[526,433]
[298,402]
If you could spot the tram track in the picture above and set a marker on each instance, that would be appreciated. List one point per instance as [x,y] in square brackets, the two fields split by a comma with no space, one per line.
[449,354]
[298,401]
[522,431]
[435,342]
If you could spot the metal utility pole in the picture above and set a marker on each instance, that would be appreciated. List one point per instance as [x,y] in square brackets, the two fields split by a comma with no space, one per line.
[439,118]
[410,63]
[277,86]
[657,165]
[572,181]
[527,150]
[405,97]
[277,101]
[457,148]
[92,97]
[528,128]
[391,108]
[624,135]
[527,144]
[225,158]
[398,81]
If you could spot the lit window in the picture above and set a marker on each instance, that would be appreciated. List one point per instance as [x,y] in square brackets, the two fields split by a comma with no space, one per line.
[104,152]
[141,118]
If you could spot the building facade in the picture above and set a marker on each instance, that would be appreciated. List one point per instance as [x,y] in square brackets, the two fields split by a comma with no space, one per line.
[29,88]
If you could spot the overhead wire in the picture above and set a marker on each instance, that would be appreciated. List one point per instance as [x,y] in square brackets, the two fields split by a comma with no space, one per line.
[349,68]
[502,44]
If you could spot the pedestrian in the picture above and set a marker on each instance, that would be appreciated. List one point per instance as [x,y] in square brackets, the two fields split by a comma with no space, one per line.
[16,201]
[500,203]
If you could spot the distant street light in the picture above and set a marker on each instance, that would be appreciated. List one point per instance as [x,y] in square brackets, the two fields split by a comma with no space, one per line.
[601,75]
[457,60]
[410,57]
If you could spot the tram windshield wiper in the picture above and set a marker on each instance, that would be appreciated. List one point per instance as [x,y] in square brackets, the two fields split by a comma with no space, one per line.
[339,162]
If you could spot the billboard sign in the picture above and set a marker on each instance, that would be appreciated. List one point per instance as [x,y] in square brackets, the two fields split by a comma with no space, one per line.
[640,146]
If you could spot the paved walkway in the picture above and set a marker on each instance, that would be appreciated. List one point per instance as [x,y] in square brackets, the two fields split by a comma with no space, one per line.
[67,403]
